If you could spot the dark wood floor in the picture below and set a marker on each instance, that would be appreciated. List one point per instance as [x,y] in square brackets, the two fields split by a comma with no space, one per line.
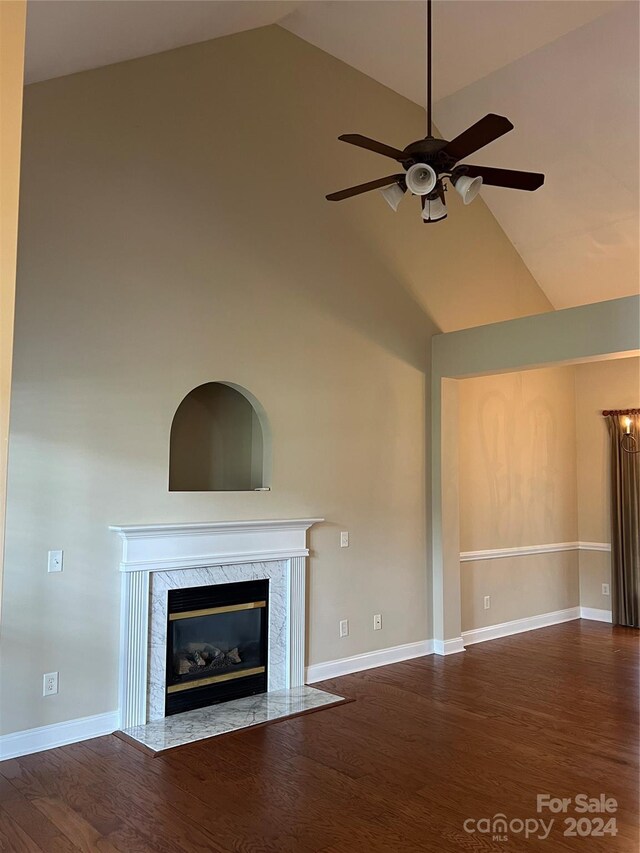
[426,745]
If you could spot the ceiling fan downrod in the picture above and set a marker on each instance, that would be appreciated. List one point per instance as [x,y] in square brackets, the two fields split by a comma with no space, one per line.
[429,58]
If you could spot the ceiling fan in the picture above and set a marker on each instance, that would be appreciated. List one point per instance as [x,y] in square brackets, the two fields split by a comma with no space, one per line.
[429,161]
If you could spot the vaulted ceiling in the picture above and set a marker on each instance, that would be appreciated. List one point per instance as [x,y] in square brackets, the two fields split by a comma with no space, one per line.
[564,71]
[574,104]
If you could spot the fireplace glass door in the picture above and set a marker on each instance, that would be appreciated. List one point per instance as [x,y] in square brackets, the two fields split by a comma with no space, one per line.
[216,644]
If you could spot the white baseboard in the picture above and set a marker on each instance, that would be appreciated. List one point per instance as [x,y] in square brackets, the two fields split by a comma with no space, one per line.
[368,660]
[58,734]
[448,647]
[595,614]
[519,626]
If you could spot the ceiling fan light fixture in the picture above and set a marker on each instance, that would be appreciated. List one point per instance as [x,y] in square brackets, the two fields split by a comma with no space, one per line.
[421,179]
[434,209]
[393,195]
[467,187]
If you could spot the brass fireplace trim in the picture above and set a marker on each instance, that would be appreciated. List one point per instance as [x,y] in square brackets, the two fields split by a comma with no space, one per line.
[214,679]
[209,611]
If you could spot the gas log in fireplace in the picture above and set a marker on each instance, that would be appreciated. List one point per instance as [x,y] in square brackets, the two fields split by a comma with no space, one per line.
[216,644]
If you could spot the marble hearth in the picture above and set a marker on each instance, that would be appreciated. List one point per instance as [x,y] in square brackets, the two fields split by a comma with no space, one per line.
[157,558]
[192,726]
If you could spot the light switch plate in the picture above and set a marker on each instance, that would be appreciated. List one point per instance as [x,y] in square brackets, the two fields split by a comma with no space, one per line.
[54,563]
[344,539]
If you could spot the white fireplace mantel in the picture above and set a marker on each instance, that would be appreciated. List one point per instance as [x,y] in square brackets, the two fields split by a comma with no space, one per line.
[161,547]
[149,552]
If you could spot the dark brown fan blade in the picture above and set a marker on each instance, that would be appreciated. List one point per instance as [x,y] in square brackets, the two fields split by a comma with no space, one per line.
[506,177]
[371,145]
[477,136]
[364,188]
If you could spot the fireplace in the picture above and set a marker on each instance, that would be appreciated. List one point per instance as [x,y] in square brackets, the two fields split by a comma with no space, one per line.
[161,559]
[217,644]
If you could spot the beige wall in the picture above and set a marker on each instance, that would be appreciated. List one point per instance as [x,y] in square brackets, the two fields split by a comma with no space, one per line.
[517,459]
[517,463]
[534,469]
[598,331]
[12,28]
[174,231]
[600,385]
[519,587]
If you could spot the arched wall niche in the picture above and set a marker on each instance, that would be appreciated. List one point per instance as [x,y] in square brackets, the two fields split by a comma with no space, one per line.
[220,441]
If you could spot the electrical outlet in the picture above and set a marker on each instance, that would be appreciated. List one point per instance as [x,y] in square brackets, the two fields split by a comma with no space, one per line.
[487,602]
[377,622]
[605,589]
[344,627]
[344,539]
[49,683]
[54,563]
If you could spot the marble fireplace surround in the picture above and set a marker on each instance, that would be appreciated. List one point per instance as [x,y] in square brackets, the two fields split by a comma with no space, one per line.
[160,557]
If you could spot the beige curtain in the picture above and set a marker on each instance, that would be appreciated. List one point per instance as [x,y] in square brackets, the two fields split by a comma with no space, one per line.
[625,520]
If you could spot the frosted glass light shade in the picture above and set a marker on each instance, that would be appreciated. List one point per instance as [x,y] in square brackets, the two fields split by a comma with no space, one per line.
[421,179]
[393,195]
[434,209]
[468,188]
